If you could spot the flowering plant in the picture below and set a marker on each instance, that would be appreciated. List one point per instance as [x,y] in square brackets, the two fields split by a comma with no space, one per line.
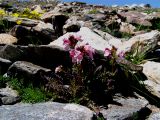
[77,52]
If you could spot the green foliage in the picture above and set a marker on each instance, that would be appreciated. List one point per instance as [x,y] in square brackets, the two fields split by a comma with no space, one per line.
[16,84]
[3,81]
[4,26]
[126,35]
[156,24]
[142,27]
[28,93]
[138,53]
[151,10]
[33,95]
[93,11]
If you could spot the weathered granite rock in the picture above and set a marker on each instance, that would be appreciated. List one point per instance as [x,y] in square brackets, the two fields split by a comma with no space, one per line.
[45,111]
[8,92]
[109,38]
[153,87]
[7,39]
[126,109]
[20,31]
[45,32]
[155,116]
[9,100]
[104,35]
[97,17]
[152,71]
[25,21]
[143,42]
[42,33]
[135,17]
[93,39]
[11,52]
[127,28]
[37,8]
[73,24]
[4,65]
[57,19]
[46,56]
[28,71]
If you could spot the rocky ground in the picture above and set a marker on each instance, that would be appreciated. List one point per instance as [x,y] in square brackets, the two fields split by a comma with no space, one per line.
[32,49]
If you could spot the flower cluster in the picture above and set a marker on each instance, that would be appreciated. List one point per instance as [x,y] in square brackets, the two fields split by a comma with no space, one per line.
[113,53]
[27,13]
[2,12]
[71,42]
[77,53]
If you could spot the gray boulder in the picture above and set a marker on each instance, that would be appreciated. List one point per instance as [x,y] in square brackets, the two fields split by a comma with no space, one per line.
[126,109]
[46,56]
[152,71]
[24,21]
[7,39]
[154,116]
[9,100]
[28,71]
[45,111]
[4,65]
[11,52]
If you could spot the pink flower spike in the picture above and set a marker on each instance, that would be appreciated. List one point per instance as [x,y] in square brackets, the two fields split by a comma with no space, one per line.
[76,56]
[66,41]
[107,52]
[66,44]
[89,50]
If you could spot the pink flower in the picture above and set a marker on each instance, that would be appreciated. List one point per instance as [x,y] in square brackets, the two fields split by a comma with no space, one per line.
[107,52]
[89,50]
[76,55]
[71,42]
[66,44]
[121,54]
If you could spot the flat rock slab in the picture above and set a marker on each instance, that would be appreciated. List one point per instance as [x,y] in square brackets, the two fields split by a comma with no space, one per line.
[45,111]
[126,109]
[155,116]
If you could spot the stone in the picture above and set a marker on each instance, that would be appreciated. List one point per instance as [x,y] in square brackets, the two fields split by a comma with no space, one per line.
[93,39]
[37,8]
[11,52]
[95,17]
[73,24]
[7,39]
[42,33]
[28,71]
[20,31]
[45,111]
[57,19]
[153,87]
[126,109]
[45,32]
[155,116]
[144,42]
[46,56]
[8,92]
[135,17]
[152,71]
[25,21]
[111,39]
[104,35]
[4,65]
[127,28]
[9,100]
